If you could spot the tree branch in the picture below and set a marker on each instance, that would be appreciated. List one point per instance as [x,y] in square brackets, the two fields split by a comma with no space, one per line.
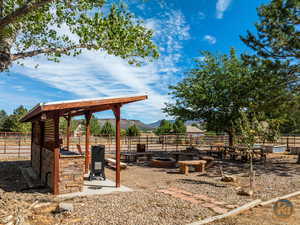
[23,55]
[22,11]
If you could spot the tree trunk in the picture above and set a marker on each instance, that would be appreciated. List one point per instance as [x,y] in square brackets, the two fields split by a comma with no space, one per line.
[6,43]
[251,186]
[5,52]
[231,138]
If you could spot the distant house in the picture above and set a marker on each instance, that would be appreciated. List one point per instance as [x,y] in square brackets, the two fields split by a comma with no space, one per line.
[194,131]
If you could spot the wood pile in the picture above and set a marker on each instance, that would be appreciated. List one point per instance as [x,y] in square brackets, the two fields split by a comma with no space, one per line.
[16,209]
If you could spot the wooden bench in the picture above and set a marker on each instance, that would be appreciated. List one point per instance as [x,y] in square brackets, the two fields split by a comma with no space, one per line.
[198,164]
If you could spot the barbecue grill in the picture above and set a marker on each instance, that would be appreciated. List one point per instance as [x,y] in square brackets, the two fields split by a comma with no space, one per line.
[97,162]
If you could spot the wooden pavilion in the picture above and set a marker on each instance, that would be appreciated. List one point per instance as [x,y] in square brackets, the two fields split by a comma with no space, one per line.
[63,173]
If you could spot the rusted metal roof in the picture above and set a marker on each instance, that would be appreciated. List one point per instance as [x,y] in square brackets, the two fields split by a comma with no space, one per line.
[79,107]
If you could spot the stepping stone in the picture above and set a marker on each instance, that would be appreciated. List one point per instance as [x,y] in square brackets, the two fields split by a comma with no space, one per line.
[218,202]
[190,199]
[231,206]
[204,197]
[208,205]
[166,192]
[219,210]
[180,191]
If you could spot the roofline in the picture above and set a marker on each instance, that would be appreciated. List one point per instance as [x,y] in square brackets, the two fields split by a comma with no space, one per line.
[81,103]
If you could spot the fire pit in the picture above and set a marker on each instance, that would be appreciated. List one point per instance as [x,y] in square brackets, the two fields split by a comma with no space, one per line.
[162,162]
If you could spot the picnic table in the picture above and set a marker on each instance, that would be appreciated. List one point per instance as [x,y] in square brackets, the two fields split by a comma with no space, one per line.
[198,164]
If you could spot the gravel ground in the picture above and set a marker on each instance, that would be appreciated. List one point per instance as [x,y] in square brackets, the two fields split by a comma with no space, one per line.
[146,206]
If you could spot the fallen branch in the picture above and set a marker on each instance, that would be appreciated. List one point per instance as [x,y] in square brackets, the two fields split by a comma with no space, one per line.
[278,198]
[230,213]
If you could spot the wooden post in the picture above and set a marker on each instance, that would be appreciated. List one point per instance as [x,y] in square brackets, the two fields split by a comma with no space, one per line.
[68,131]
[56,152]
[87,142]
[117,113]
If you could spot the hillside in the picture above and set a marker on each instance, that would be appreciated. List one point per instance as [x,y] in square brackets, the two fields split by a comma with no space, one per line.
[126,123]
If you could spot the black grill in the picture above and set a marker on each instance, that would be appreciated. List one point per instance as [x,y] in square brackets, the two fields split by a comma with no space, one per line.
[97,162]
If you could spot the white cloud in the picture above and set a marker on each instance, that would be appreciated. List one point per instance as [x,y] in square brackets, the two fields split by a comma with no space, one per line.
[211,39]
[221,7]
[96,74]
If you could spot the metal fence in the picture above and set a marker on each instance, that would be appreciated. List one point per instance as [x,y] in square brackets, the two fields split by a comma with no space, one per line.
[18,144]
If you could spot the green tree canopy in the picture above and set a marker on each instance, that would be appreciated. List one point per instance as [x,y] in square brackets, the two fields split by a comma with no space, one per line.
[3,116]
[133,131]
[12,122]
[179,127]
[220,86]
[165,127]
[278,34]
[95,127]
[107,129]
[63,124]
[57,27]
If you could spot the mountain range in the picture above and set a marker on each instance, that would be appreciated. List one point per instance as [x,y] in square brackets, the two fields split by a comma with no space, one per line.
[142,126]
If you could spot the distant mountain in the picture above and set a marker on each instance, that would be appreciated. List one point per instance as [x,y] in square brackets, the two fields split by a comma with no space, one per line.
[157,123]
[126,123]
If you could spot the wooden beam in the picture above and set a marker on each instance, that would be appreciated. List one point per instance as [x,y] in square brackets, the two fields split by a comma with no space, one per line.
[87,141]
[56,152]
[117,113]
[68,131]
[65,107]
[230,213]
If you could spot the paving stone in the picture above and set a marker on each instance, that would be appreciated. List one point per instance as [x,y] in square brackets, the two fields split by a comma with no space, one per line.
[190,199]
[231,206]
[218,202]
[219,210]
[208,205]
[181,191]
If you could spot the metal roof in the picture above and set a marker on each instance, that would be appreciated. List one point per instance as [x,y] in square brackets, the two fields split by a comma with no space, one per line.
[80,106]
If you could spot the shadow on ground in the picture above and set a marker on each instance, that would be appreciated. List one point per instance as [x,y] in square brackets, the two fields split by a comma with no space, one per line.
[12,180]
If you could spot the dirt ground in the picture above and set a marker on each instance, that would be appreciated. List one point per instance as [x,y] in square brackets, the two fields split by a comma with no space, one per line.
[150,203]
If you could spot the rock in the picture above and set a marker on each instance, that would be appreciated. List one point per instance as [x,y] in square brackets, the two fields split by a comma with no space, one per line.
[245,193]
[7,219]
[65,207]
[228,178]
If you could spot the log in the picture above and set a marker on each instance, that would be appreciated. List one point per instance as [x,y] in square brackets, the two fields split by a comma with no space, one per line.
[279,198]
[230,213]
[112,163]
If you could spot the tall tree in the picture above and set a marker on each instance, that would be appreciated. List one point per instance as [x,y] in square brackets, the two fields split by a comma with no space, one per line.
[63,124]
[220,86]
[3,115]
[95,127]
[133,131]
[179,127]
[58,27]
[107,129]
[165,127]
[278,34]
[12,122]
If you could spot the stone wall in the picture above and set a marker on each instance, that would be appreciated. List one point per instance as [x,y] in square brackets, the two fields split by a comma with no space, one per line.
[71,171]
[35,157]
[47,167]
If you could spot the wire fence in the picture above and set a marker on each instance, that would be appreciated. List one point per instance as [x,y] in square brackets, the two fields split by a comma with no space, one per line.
[19,144]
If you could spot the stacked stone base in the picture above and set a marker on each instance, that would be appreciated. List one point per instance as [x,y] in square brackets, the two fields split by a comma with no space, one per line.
[71,171]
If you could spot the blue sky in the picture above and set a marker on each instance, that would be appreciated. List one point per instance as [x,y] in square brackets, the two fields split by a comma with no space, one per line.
[182,29]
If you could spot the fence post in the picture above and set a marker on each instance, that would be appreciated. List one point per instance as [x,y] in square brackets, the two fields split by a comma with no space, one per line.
[19,146]
[5,143]
[147,143]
